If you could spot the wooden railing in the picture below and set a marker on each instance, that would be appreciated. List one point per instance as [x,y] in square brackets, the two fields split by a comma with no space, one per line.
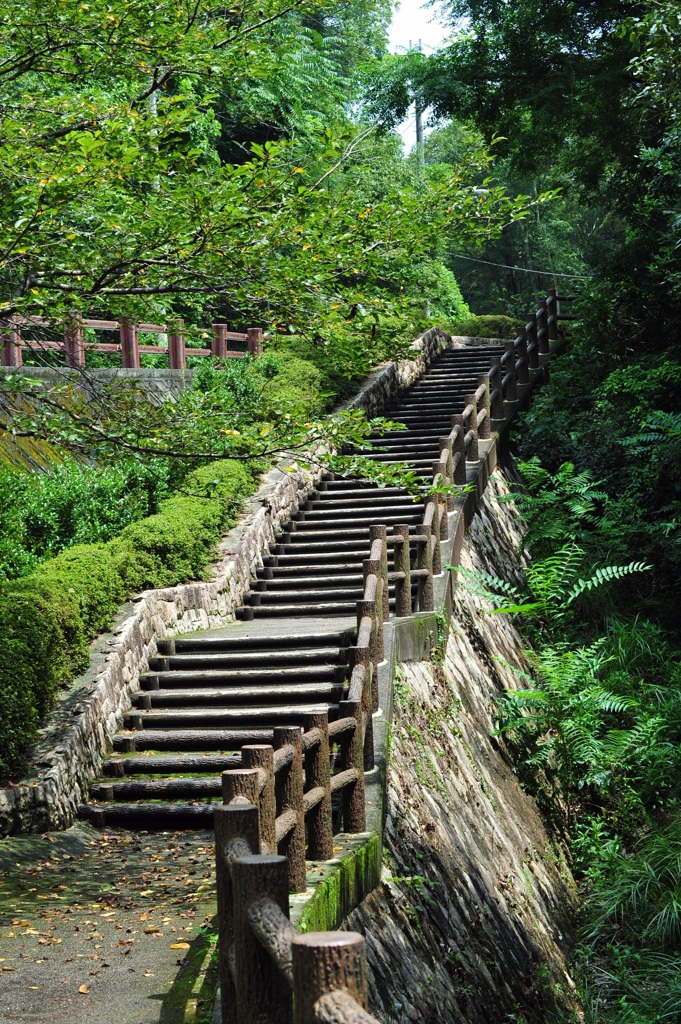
[75,347]
[278,806]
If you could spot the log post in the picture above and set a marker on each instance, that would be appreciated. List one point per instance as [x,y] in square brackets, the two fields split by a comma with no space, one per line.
[425,561]
[511,381]
[236,830]
[552,314]
[472,454]
[403,564]
[352,756]
[239,782]
[10,344]
[532,343]
[74,348]
[485,428]
[289,785]
[130,350]
[458,446]
[328,964]
[380,532]
[497,405]
[369,701]
[446,448]
[318,775]
[523,369]
[261,756]
[262,992]
[255,337]
[176,351]
[219,341]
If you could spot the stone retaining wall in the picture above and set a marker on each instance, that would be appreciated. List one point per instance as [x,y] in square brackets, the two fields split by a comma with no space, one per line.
[69,752]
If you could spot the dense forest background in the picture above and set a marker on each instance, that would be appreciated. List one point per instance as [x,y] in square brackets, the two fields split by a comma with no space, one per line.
[183,161]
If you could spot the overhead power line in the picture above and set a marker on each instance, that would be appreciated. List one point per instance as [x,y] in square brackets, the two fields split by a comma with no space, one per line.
[523,270]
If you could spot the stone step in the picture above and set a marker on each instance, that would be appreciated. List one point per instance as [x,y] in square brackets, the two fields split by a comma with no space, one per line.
[190,739]
[157,789]
[289,664]
[225,696]
[305,595]
[148,816]
[248,612]
[256,644]
[224,677]
[186,717]
[170,764]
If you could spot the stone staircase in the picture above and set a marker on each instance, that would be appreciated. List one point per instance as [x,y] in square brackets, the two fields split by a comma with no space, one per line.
[205,696]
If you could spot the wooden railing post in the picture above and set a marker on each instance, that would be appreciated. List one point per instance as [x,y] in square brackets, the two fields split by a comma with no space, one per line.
[425,561]
[329,975]
[485,426]
[261,758]
[459,448]
[532,343]
[219,341]
[403,564]
[510,378]
[236,831]
[552,314]
[289,786]
[352,756]
[318,775]
[472,454]
[176,350]
[262,992]
[74,348]
[369,701]
[130,350]
[10,344]
[447,458]
[497,390]
[380,532]
[521,348]
[255,337]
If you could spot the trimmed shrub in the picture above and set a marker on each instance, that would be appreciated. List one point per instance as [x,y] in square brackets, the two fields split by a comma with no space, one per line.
[48,618]
[487,327]
[43,646]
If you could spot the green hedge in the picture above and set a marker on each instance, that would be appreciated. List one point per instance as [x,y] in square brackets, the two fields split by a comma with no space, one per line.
[487,327]
[48,618]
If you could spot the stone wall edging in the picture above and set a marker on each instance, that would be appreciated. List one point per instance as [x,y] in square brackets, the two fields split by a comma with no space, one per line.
[69,754]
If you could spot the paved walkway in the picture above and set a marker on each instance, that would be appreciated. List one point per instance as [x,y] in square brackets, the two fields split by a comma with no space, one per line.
[112,927]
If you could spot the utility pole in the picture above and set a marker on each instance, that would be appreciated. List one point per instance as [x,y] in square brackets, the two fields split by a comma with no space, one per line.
[418,117]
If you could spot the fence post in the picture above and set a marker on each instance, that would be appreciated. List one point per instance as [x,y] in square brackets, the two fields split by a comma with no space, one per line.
[261,757]
[380,532]
[289,785]
[485,429]
[130,350]
[369,701]
[532,343]
[446,444]
[326,963]
[233,825]
[497,406]
[73,342]
[262,992]
[318,774]
[241,782]
[10,344]
[176,351]
[219,341]
[552,311]
[458,446]
[473,454]
[524,370]
[255,340]
[352,756]
[511,384]
[425,561]
[403,564]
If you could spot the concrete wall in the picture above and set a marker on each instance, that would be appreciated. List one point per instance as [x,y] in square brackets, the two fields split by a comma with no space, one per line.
[472,920]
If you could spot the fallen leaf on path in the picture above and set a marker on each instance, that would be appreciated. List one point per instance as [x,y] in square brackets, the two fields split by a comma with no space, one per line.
[84,989]
[180,945]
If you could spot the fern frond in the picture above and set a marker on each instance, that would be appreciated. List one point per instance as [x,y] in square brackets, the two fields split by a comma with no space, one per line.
[605,575]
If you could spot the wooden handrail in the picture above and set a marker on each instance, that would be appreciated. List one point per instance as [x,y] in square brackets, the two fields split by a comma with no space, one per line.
[75,348]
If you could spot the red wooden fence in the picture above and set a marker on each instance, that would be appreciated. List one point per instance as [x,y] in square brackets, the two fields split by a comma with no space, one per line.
[74,346]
